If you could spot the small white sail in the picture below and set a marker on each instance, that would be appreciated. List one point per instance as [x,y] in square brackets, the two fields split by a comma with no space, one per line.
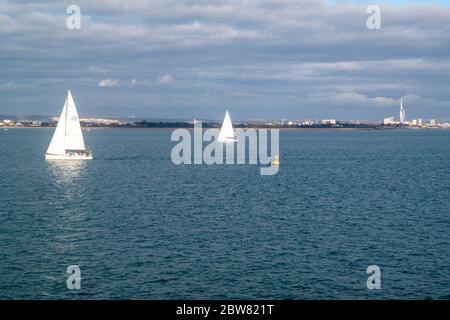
[402,112]
[74,136]
[58,144]
[67,141]
[226,132]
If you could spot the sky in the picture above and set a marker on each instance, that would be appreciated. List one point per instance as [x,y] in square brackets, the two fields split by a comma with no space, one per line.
[260,59]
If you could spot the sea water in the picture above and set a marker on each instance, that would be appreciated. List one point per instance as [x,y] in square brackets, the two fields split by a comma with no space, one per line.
[139,226]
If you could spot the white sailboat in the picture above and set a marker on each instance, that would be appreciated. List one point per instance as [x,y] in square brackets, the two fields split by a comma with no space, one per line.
[67,142]
[402,112]
[226,132]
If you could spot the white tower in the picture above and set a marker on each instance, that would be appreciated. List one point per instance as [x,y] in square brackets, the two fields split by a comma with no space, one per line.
[402,112]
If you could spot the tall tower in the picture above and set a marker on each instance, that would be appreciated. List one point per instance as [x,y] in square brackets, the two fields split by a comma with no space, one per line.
[402,112]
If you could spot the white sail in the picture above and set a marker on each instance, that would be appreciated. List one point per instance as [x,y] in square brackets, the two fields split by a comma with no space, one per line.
[58,145]
[226,132]
[74,136]
[402,112]
[68,135]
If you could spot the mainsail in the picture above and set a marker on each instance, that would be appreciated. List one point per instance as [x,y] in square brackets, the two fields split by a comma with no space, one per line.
[226,132]
[402,112]
[68,135]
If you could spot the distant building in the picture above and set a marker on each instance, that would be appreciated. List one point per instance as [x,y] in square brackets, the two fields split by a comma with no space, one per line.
[388,121]
[7,122]
[432,122]
[100,121]
[417,122]
[329,122]
[307,123]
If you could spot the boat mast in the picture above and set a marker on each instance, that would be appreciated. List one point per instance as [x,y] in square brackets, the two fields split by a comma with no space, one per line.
[65,116]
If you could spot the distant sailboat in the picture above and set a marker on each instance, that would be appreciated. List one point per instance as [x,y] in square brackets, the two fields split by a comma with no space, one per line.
[226,132]
[402,112]
[67,142]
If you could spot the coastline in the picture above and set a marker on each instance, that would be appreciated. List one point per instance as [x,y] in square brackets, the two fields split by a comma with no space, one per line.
[205,128]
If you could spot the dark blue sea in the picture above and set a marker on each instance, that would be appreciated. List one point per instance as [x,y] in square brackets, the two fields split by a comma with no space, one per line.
[139,226]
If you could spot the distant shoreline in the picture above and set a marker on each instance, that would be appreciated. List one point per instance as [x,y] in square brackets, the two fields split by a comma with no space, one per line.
[255,127]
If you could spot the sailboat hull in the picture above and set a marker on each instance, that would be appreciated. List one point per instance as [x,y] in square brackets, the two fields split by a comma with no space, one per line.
[68,157]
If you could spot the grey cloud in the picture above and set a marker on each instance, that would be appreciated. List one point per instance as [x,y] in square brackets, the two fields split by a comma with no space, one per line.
[263,59]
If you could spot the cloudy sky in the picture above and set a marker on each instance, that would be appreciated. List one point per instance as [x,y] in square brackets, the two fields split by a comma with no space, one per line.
[261,59]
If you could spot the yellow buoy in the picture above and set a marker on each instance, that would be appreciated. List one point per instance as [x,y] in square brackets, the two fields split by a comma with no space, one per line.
[276,161]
